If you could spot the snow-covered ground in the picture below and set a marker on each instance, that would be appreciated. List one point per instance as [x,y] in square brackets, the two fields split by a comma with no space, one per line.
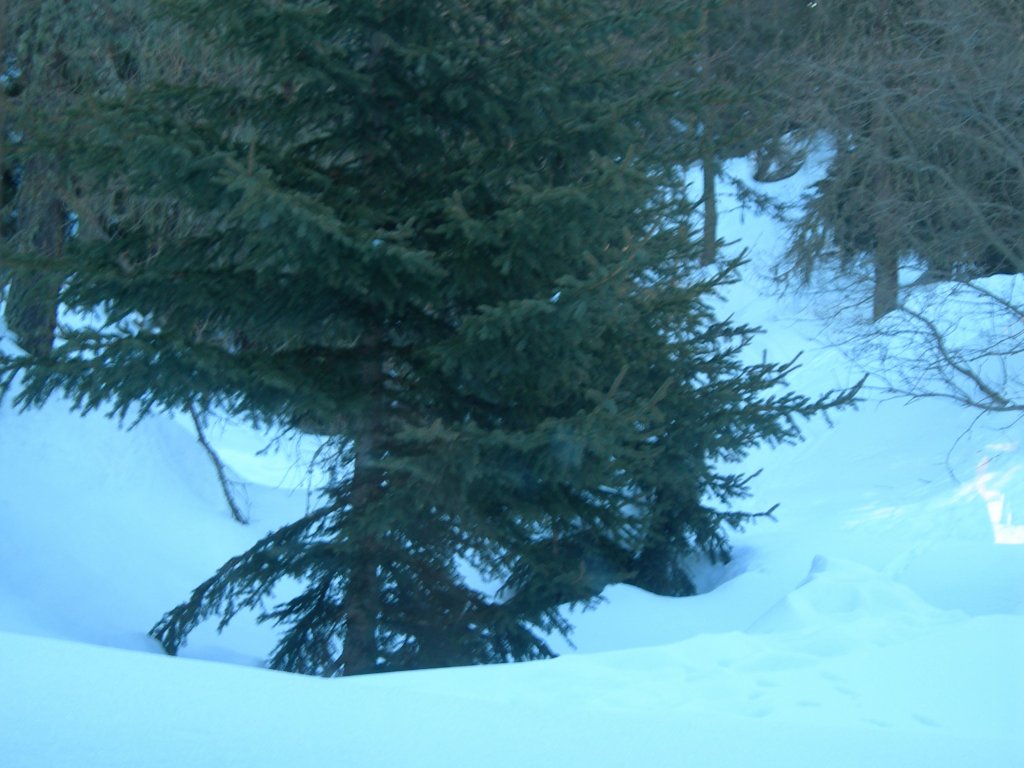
[878,622]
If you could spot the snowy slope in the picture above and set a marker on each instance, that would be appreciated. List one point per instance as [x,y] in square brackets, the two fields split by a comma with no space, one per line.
[879,622]
[722,701]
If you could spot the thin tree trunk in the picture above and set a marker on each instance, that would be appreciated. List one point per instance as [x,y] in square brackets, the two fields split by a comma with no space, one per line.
[361,606]
[886,288]
[710,248]
[33,294]
[32,299]
[361,603]
[885,258]
[709,166]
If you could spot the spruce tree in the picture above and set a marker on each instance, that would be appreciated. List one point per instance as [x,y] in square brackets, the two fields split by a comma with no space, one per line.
[50,56]
[435,232]
[733,67]
[919,101]
[55,58]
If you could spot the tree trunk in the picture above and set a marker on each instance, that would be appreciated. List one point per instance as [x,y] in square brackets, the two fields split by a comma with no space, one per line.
[710,169]
[32,299]
[886,289]
[885,258]
[709,166]
[361,604]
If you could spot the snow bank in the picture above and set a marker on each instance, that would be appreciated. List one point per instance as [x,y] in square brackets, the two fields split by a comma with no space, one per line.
[879,622]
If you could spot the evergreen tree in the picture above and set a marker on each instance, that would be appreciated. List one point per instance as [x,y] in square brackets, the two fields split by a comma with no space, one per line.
[734,69]
[439,233]
[51,55]
[56,57]
[920,100]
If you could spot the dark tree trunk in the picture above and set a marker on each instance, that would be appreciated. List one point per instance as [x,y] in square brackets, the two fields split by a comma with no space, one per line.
[32,298]
[710,169]
[361,607]
[886,289]
[361,604]
[709,166]
[885,258]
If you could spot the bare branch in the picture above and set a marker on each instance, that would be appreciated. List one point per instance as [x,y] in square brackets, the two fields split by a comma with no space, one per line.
[218,465]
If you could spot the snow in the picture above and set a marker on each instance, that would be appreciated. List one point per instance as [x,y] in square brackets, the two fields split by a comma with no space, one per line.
[878,622]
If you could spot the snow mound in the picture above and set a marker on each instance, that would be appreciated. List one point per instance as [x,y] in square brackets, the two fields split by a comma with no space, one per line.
[842,604]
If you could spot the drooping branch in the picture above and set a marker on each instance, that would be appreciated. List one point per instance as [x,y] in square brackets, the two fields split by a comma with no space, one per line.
[218,465]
